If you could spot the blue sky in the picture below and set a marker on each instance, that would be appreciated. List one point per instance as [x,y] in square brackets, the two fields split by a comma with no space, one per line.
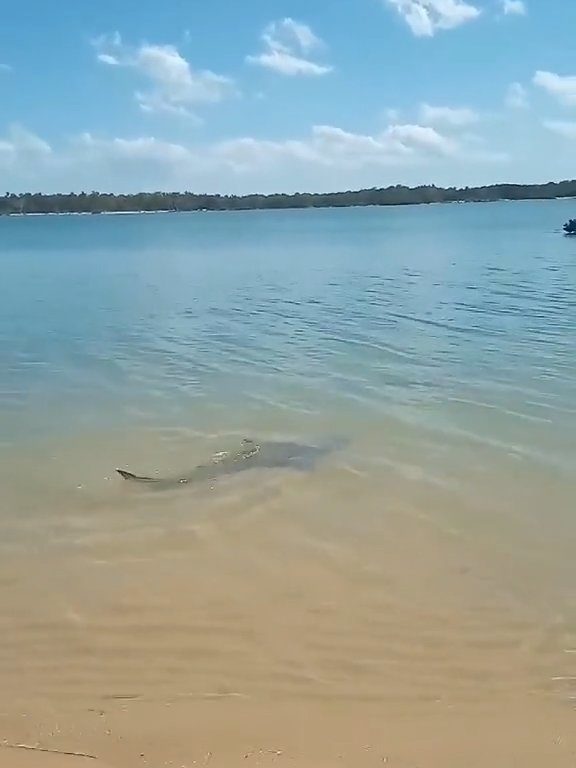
[285,95]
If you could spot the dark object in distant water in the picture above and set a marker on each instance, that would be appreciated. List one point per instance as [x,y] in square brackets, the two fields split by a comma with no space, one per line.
[252,455]
[570,227]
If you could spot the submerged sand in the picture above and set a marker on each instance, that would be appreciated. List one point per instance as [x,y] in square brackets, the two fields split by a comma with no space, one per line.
[341,617]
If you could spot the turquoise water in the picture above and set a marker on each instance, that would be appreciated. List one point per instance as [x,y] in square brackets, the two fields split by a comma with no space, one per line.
[455,318]
[439,341]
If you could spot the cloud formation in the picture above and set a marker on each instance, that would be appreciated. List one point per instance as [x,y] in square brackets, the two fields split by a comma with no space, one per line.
[22,148]
[289,47]
[175,85]
[316,159]
[332,146]
[514,7]
[426,17]
[563,88]
[450,116]
[142,148]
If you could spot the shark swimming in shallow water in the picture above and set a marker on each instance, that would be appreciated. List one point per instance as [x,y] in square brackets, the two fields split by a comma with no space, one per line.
[252,455]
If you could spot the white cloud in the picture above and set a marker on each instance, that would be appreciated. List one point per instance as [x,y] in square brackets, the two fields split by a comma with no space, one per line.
[125,164]
[451,116]
[563,128]
[23,148]
[517,96]
[288,46]
[107,43]
[325,146]
[563,88]
[426,17]
[326,157]
[332,147]
[143,148]
[5,67]
[514,7]
[412,138]
[175,85]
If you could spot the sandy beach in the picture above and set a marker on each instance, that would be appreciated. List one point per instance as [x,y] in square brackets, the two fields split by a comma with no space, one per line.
[269,629]
[310,736]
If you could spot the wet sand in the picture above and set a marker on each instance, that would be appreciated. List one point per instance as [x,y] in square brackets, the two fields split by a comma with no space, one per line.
[329,618]
[311,735]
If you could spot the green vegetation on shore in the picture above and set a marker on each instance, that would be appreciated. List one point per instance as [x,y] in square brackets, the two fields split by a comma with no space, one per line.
[96,202]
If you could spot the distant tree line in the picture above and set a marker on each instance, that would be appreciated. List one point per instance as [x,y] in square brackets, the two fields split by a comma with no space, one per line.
[97,202]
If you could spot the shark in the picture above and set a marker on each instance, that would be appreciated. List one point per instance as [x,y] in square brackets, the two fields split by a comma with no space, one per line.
[251,455]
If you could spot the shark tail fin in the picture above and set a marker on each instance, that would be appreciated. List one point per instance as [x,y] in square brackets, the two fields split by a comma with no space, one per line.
[130,476]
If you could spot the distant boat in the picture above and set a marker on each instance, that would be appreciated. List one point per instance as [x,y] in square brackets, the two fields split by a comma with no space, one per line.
[570,227]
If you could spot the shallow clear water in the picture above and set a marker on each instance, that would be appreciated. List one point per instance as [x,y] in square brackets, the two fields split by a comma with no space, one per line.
[457,323]
[440,341]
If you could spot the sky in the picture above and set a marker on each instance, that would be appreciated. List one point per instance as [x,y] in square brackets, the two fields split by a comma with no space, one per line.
[285,95]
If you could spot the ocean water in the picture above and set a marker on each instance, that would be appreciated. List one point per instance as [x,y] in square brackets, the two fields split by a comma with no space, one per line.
[435,551]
